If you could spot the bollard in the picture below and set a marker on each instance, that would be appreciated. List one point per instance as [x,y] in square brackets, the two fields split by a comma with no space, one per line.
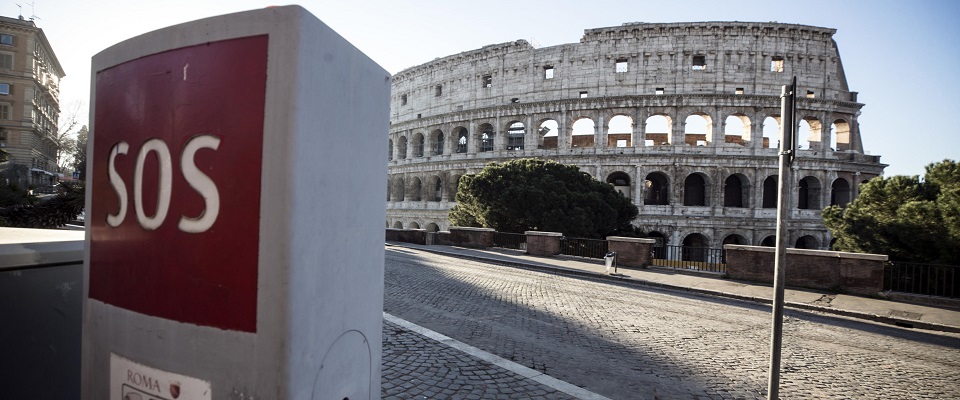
[234,244]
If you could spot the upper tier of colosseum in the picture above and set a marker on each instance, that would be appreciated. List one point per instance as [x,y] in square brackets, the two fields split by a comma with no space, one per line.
[635,59]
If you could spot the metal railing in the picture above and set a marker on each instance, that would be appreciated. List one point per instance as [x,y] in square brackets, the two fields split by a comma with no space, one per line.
[582,247]
[510,240]
[693,258]
[926,279]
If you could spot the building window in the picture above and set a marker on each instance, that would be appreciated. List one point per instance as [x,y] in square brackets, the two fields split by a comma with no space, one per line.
[6,39]
[776,64]
[699,62]
[583,95]
[4,111]
[548,72]
[6,61]
[659,90]
[487,81]
[622,65]
[739,90]
[403,99]
[439,91]
[810,94]
[4,88]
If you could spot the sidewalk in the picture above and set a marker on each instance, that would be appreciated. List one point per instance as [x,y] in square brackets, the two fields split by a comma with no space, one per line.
[874,309]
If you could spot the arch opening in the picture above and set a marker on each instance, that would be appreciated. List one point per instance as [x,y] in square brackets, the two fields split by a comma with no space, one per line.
[583,133]
[620,133]
[657,189]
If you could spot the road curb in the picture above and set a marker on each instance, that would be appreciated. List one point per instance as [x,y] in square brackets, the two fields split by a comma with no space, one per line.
[900,322]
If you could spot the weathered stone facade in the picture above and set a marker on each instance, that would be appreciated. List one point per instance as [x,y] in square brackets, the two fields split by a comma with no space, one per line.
[625,105]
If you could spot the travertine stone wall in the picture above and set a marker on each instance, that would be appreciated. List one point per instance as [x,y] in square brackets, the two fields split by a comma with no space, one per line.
[711,186]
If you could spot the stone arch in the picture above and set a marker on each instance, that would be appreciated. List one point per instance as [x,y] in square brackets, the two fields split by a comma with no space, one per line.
[437,141]
[694,247]
[462,138]
[770,192]
[419,144]
[620,131]
[413,225]
[807,242]
[454,187]
[516,132]
[390,151]
[808,133]
[402,148]
[399,189]
[736,129]
[840,135]
[433,227]
[657,189]
[809,194]
[734,238]
[436,188]
[840,192]
[695,190]
[389,190]
[486,139]
[416,189]
[583,133]
[657,130]
[398,225]
[548,133]
[769,241]
[771,132]
[621,181]
[736,191]
[697,129]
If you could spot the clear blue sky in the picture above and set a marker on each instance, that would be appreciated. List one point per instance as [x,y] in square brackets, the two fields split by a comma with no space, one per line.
[902,56]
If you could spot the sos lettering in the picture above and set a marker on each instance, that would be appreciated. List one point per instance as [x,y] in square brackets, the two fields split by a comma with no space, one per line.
[197,180]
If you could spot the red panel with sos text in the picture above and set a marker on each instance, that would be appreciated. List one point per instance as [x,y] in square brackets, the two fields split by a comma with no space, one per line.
[177,156]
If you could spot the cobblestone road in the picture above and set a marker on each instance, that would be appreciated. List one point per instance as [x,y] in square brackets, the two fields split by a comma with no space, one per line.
[637,343]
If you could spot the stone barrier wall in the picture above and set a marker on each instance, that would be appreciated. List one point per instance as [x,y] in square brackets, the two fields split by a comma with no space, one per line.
[471,237]
[543,243]
[416,236]
[817,269]
[631,252]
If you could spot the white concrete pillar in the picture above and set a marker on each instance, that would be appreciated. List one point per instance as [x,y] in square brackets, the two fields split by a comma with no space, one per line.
[233,283]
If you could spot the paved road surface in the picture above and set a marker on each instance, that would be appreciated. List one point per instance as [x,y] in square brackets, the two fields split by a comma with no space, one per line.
[627,342]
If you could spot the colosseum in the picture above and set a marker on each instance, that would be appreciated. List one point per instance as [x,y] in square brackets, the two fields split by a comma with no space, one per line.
[682,118]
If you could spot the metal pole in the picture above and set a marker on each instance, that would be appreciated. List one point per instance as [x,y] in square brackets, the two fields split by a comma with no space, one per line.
[787,153]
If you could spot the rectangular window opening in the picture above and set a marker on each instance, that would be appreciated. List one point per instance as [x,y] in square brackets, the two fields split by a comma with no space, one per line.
[548,72]
[699,62]
[583,95]
[659,90]
[487,81]
[4,88]
[739,90]
[439,91]
[515,100]
[6,61]
[6,39]
[776,64]
[4,114]
[810,94]
[622,65]
[621,142]
[403,99]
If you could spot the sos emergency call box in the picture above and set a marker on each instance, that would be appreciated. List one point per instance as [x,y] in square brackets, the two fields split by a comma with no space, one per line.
[235,213]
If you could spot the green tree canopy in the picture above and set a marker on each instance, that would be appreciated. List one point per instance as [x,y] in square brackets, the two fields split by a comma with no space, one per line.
[904,217]
[533,194]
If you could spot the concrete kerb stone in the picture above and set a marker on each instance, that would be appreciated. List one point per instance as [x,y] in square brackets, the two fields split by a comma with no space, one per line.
[901,322]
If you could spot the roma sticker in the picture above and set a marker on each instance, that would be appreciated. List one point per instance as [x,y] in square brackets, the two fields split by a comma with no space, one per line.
[132,381]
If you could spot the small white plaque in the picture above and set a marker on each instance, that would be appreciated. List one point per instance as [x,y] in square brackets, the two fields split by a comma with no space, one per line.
[132,381]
